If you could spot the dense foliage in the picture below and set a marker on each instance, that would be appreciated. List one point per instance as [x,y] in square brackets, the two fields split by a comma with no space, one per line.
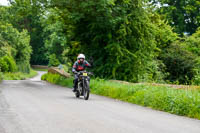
[184,15]
[111,34]
[7,64]
[25,15]
[124,39]
[14,48]
[193,43]
[181,64]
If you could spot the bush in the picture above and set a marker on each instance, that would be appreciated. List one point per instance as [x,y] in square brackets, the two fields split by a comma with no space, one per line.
[15,44]
[23,67]
[7,64]
[11,63]
[53,61]
[196,80]
[193,42]
[180,64]
[3,65]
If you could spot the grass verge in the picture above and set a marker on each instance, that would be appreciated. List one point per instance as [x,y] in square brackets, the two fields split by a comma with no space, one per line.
[1,76]
[176,101]
[57,79]
[40,69]
[19,75]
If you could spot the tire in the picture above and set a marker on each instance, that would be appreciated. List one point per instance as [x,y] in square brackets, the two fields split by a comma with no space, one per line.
[86,91]
[86,94]
[77,94]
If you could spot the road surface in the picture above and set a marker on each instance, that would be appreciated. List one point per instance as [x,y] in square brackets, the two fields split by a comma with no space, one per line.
[34,106]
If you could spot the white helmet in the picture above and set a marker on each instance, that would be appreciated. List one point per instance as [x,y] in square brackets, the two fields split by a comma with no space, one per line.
[81,56]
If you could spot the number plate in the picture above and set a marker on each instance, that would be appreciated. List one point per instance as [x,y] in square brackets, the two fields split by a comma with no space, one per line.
[84,74]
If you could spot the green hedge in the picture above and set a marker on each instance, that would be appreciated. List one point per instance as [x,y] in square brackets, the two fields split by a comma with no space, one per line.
[7,64]
[176,101]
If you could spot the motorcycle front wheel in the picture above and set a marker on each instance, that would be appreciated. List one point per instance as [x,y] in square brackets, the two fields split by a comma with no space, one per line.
[86,91]
[77,94]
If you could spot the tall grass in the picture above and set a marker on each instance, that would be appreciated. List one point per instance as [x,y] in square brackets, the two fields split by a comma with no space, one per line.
[40,69]
[24,67]
[19,75]
[57,79]
[1,76]
[176,101]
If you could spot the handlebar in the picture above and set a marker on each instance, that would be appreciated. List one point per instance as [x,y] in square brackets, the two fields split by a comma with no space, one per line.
[81,72]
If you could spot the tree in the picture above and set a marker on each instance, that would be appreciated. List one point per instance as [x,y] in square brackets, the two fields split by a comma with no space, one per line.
[55,34]
[184,15]
[119,36]
[25,14]
[193,42]
[15,44]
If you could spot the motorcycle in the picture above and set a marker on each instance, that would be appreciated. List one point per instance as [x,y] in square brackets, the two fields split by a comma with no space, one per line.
[83,87]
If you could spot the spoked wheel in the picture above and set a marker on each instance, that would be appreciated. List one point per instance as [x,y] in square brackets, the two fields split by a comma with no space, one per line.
[86,95]
[86,91]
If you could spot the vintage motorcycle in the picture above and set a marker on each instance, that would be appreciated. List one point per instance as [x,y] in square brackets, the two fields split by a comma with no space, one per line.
[83,87]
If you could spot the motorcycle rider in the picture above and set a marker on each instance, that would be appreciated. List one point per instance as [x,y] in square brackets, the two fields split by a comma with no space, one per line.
[79,65]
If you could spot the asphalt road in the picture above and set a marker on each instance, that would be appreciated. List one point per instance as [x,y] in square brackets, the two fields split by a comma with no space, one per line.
[34,106]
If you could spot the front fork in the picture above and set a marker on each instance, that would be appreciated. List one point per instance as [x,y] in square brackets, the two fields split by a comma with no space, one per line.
[87,84]
[84,83]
